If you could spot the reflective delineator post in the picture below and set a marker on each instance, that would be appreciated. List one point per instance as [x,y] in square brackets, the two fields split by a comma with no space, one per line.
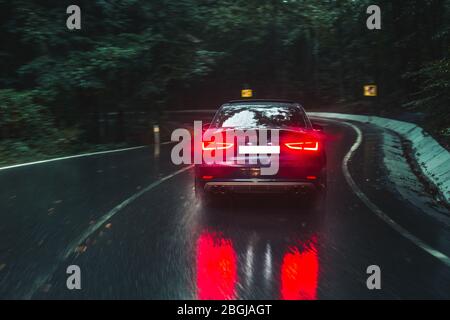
[156,139]
[156,134]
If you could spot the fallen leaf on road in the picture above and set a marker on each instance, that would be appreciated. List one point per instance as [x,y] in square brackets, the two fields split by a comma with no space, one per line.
[46,288]
[81,249]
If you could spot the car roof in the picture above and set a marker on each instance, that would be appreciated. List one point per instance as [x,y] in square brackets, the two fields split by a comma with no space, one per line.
[261,101]
[289,103]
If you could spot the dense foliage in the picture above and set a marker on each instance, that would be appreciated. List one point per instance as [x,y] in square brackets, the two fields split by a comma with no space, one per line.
[150,55]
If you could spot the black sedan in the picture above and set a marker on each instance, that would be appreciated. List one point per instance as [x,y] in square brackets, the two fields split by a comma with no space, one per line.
[262,146]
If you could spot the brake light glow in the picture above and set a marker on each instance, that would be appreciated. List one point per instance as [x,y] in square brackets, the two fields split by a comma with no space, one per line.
[309,146]
[208,146]
[217,271]
[207,177]
[299,274]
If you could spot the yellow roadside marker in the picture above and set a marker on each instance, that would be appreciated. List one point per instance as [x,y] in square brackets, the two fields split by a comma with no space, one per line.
[247,93]
[370,90]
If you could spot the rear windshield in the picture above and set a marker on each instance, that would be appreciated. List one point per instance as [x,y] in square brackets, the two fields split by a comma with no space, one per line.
[260,116]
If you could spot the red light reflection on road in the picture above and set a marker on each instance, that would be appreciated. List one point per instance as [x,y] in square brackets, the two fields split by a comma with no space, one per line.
[216,268]
[299,272]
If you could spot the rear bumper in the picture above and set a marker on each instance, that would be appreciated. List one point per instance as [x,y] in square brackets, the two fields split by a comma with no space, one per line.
[260,186]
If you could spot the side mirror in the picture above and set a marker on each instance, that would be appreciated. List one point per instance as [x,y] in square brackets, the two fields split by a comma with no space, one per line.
[317,127]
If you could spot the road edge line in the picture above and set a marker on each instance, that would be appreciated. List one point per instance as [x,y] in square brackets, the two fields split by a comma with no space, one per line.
[70,157]
[375,209]
[431,157]
[93,228]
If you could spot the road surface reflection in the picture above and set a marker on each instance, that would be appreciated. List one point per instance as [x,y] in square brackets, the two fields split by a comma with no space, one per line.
[258,251]
[216,268]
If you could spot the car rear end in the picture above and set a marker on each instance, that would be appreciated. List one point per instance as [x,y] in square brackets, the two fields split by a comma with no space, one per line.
[301,160]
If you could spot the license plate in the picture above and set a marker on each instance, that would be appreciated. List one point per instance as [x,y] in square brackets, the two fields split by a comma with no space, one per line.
[251,172]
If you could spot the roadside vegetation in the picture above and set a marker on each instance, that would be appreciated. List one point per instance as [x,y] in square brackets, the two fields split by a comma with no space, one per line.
[58,87]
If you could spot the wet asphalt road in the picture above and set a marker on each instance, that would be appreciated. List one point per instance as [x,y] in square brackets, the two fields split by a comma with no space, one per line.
[164,245]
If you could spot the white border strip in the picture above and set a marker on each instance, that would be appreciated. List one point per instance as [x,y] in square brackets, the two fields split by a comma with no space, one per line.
[375,209]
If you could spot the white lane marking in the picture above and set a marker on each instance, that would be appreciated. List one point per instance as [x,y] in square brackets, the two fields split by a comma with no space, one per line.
[70,157]
[93,228]
[167,142]
[80,156]
[259,149]
[405,233]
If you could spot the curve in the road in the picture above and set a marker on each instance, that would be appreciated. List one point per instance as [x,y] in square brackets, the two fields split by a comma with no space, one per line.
[92,229]
[357,191]
[375,209]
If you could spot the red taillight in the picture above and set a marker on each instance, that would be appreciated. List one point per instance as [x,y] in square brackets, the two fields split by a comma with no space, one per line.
[207,177]
[308,145]
[208,146]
